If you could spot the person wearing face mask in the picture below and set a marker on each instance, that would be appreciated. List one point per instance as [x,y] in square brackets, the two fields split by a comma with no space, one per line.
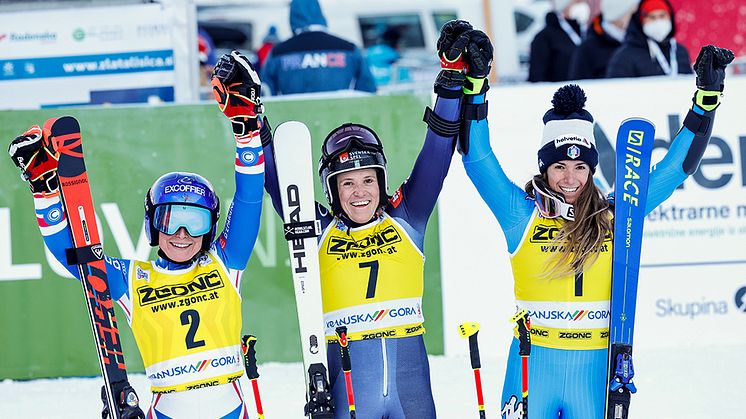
[605,34]
[649,48]
[554,45]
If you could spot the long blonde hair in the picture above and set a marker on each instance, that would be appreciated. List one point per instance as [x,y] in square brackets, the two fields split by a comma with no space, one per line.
[580,241]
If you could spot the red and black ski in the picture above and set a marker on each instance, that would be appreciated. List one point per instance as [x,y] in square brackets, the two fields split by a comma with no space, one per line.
[63,136]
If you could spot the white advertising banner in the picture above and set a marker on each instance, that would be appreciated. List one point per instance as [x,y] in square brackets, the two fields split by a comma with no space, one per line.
[77,56]
[692,289]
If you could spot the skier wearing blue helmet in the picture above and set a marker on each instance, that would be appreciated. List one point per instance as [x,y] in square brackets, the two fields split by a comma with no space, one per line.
[181,199]
[185,306]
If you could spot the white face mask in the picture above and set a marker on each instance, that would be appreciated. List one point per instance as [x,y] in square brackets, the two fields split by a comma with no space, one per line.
[657,30]
[580,12]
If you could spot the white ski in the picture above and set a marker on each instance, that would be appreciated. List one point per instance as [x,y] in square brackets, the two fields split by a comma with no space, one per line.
[292,145]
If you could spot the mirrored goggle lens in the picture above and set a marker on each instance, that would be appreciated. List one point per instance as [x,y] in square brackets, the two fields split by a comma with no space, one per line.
[170,218]
[337,144]
[549,206]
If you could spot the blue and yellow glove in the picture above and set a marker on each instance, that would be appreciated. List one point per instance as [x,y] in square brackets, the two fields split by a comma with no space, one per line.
[479,52]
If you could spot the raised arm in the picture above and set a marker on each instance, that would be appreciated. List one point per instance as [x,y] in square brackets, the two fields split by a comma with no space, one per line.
[236,87]
[689,145]
[38,164]
[416,198]
[506,200]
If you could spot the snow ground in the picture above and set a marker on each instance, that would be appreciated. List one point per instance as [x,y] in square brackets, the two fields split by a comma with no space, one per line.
[701,383]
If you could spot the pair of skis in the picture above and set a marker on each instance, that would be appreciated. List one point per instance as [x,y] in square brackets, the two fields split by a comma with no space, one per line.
[63,137]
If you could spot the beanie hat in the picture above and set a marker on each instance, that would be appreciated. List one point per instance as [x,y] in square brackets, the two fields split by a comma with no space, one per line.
[568,130]
[612,10]
[649,6]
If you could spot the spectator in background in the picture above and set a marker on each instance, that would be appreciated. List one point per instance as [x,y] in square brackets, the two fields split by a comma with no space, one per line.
[383,56]
[649,48]
[207,60]
[268,43]
[605,35]
[313,60]
[553,46]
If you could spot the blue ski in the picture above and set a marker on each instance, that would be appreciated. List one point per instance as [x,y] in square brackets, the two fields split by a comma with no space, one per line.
[634,145]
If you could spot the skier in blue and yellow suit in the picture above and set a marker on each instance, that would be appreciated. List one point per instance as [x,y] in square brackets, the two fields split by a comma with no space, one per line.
[559,235]
[371,251]
[202,327]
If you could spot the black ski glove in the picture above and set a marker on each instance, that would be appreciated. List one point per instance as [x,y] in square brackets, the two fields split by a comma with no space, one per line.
[237,87]
[451,47]
[479,52]
[710,68]
[36,160]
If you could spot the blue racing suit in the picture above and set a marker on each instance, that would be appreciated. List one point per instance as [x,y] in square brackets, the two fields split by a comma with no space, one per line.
[563,382]
[390,371]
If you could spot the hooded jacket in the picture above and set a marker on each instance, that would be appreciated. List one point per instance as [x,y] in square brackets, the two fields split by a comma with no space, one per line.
[591,58]
[634,59]
[551,51]
[313,60]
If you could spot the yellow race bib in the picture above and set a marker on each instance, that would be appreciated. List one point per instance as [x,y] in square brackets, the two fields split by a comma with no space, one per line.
[569,312]
[187,324]
[371,280]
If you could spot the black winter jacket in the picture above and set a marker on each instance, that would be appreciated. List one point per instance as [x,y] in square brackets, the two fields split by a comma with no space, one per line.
[551,51]
[633,58]
[590,59]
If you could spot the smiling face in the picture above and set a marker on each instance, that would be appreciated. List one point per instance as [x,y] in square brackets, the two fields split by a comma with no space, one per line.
[568,177]
[359,194]
[180,246]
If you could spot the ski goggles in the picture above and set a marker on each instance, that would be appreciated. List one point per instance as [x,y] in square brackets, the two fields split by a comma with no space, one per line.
[341,141]
[168,219]
[551,205]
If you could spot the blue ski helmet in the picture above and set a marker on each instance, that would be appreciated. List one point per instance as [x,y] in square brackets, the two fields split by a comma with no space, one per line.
[351,147]
[181,188]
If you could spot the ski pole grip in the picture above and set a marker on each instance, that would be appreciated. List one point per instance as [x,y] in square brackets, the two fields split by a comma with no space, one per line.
[474,351]
[344,348]
[523,326]
[249,354]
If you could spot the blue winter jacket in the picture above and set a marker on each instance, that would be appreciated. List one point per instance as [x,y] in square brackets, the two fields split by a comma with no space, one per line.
[313,60]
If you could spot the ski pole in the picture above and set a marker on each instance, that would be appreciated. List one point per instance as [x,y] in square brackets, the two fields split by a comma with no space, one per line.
[346,367]
[249,358]
[470,330]
[523,324]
